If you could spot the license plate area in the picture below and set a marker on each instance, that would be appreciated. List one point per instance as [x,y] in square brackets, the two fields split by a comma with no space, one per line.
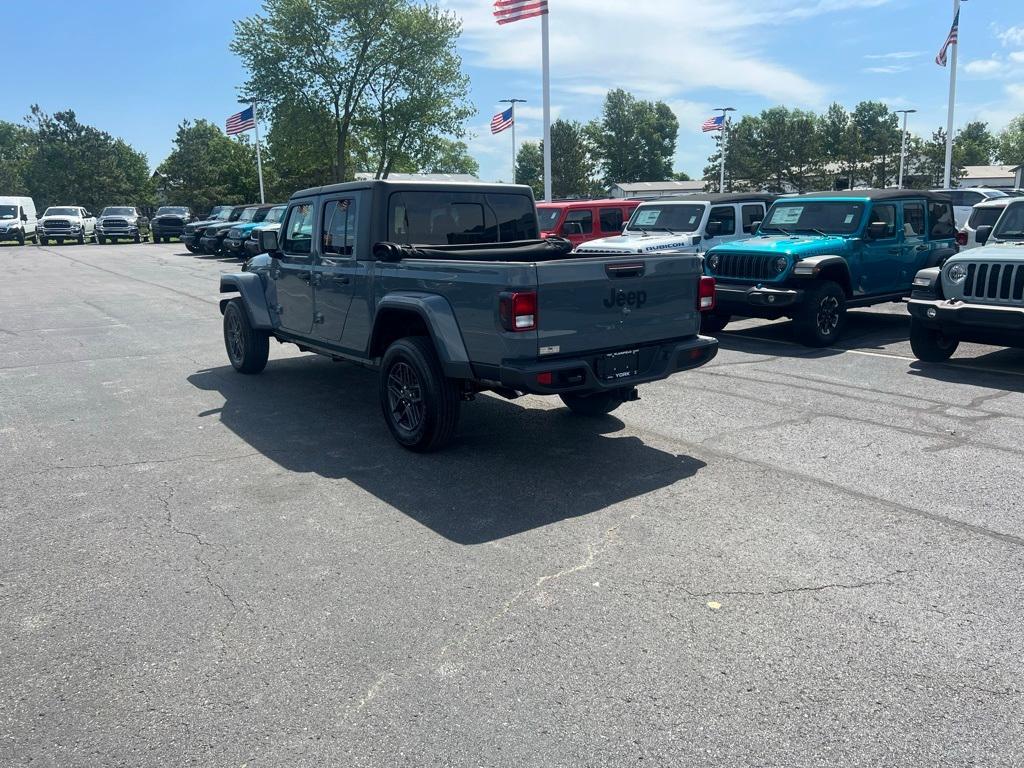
[618,365]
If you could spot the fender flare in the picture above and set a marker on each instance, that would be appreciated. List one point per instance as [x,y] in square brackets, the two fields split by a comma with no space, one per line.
[814,265]
[938,257]
[439,317]
[250,287]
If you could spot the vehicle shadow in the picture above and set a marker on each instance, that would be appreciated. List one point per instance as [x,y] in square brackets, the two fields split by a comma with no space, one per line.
[1002,369]
[510,469]
[864,330]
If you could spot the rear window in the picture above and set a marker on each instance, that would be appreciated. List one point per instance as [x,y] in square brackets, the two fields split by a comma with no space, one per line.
[984,217]
[460,218]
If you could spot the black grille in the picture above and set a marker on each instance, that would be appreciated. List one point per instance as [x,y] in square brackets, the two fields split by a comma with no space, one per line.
[746,266]
[115,223]
[995,282]
[168,221]
[57,224]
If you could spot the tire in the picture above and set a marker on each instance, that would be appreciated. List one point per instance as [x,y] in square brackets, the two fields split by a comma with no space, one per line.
[930,345]
[247,348]
[191,248]
[822,315]
[81,238]
[138,239]
[113,240]
[60,241]
[420,404]
[43,240]
[21,239]
[597,404]
[713,322]
[101,240]
[156,239]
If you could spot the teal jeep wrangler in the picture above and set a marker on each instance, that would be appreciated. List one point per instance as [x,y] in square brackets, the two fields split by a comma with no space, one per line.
[815,255]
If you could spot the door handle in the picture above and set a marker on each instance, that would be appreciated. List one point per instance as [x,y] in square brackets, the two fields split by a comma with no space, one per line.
[922,248]
[341,279]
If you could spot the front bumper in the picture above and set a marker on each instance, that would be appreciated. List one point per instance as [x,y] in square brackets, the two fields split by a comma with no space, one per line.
[252,247]
[10,234]
[755,300]
[579,374]
[234,246]
[968,321]
[168,231]
[130,232]
[66,233]
[211,243]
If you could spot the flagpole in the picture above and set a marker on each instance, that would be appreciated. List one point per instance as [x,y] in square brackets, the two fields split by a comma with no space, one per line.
[948,178]
[725,144]
[259,158]
[513,102]
[546,66]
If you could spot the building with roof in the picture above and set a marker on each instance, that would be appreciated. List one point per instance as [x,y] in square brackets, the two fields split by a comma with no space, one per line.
[656,188]
[992,176]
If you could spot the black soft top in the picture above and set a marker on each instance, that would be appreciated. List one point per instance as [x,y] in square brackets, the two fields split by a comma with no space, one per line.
[418,186]
[716,198]
[874,194]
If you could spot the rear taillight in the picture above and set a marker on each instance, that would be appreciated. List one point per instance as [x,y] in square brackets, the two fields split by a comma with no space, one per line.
[518,311]
[706,295]
[961,238]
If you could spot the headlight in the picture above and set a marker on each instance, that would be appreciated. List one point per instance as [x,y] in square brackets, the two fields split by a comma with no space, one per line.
[713,262]
[780,264]
[957,273]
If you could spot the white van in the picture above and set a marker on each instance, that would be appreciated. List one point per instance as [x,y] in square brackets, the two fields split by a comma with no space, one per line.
[686,223]
[18,219]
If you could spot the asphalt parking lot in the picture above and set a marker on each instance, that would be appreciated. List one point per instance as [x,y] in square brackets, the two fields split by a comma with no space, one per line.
[789,557]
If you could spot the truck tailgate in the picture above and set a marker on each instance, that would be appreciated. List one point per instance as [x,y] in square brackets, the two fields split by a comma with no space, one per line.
[608,303]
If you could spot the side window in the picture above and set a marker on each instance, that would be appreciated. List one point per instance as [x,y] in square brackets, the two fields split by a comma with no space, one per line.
[611,220]
[339,227]
[886,213]
[971,198]
[940,216]
[956,198]
[298,231]
[725,215]
[913,220]
[579,222]
[751,213]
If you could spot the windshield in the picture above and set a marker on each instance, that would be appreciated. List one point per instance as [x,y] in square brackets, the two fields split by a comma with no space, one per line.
[1011,224]
[8,212]
[248,214]
[224,214]
[61,212]
[118,212]
[548,218]
[807,216]
[172,210]
[667,217]
[274,215]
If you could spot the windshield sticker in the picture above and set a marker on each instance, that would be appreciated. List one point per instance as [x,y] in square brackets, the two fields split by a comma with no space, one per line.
[647,217]
[693,219]
[849,218]
[788,215]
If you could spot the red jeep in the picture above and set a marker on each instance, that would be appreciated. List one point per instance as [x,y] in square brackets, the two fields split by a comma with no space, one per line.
[581,220]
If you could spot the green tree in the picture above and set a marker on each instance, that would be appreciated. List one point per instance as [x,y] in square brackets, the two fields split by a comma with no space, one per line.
[1010,147]
[77,164]
[930,161]
[16,148]
[976,143]
[879,131]
[572,159]
[299,144]
[419,95]
[530,167]
[449,156]
[207,168]
[635,140]
[840,144]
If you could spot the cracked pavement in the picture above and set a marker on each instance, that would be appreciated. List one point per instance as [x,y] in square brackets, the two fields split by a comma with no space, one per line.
[789,557]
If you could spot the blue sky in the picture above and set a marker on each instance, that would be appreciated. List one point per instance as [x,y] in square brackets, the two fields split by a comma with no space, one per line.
[137,69]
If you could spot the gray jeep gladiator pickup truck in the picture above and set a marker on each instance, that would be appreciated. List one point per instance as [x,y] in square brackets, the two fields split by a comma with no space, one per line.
[448,291]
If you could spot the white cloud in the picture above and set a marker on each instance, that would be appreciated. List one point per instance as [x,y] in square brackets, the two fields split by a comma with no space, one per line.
[597,46]
[1011,36]
[1017,57]
[887,70]
[893,55]
[984,66]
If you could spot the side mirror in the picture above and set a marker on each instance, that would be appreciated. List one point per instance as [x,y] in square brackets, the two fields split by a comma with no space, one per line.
[713,229]
[625,226]
[983,233]
[268,241]
[572,228]
[753,227]
[877,230]
[24,216]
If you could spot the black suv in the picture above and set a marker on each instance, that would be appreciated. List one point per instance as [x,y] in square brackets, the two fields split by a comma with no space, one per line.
[169,221]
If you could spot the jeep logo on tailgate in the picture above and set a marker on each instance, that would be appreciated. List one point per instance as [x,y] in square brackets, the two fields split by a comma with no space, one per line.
[621,298]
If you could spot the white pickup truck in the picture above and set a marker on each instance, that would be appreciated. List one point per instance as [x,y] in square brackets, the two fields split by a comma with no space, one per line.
[686,223]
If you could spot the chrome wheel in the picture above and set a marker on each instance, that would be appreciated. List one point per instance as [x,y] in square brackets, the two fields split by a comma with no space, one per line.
[405,397]
[828,315]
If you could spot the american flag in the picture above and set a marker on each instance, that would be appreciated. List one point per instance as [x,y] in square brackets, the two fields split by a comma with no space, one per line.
[715,123]
[240,122]
[507,11]
[950,40]
[501,121]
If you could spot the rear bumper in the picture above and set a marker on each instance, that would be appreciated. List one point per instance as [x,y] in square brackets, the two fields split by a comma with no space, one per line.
[754,300]
[982,323]
[578,374]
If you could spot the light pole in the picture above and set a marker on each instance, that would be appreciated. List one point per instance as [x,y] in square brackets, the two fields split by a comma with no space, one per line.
[903,143]
[513,102]
[259,159]
[725,143]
